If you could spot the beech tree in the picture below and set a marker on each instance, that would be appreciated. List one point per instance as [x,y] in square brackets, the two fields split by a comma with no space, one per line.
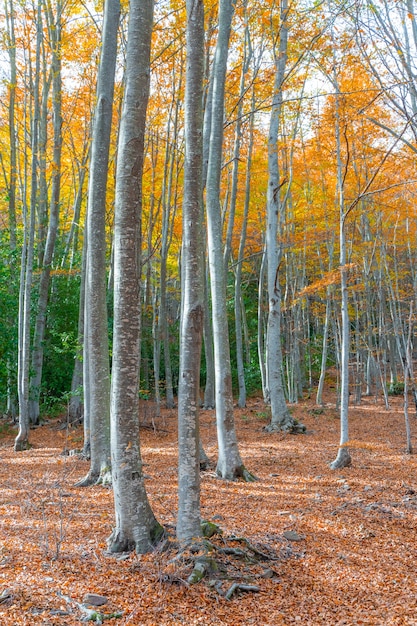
[188,524]
[136,526]
[229,464]
[27,257]
[96,344]
[54,24]
[280,416]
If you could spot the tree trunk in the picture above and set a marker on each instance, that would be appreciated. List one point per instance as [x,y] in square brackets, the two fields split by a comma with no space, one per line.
[229,465]
[343,458]
[11,188]
[188,523]
[22,439]
[40,324]
[280,416]
[136,526]
[96,333]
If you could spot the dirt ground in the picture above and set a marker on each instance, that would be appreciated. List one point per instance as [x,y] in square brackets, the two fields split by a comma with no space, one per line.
[342,543]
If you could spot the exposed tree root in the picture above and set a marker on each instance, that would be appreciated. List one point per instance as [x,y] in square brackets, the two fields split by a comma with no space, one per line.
[247,476]
[291,426]
[88,481]
[228,564]
[93,478]
[88,615]
[239,587]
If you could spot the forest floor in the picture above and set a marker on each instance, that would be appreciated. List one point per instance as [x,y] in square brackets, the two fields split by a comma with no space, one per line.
[341,544]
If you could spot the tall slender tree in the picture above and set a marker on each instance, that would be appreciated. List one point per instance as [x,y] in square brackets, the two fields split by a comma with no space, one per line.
[54,23]
[136,526]
[26,273]
[229,464]
[95,319]
[188,524]
[281,418]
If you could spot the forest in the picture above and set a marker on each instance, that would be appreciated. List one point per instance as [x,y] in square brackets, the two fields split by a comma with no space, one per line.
[208,244]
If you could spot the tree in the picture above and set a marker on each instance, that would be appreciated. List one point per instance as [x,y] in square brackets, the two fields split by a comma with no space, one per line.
[280,416]
[136,526]
[26,271]
[96,331]
[343,458]
[188,524]
[55,29]
[229,463]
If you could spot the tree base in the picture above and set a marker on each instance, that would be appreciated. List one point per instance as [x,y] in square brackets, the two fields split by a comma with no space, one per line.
[21,445]
[118,542]
[291,426]
[204,460]
[88,481]
[226,563]
[238,473]
[343,459]
[105,478]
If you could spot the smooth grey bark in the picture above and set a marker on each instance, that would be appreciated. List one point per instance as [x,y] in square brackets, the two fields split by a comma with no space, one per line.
[72,240]
[160,327]
[75,405]
[42,197]
[280,416]
[343,458]
[12,181]
[229,464]
[26,274]
[238,272]
[408,376]
[156,349]
[324,349]
[168,216]
[231,218]
[153,212]
[96,331]
[54,27]
[188,521]
[209,389]
[85,362]
[11,187]
[136,526]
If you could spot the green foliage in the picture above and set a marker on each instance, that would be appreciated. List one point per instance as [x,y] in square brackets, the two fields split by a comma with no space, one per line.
[6,430]
[264,416]
[396,388]
[253,377]
[250,304]
[9,307]
[60,345]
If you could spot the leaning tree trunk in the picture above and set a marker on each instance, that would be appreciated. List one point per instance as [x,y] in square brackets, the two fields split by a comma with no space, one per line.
[188,523]
[136,526]
[96,331]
